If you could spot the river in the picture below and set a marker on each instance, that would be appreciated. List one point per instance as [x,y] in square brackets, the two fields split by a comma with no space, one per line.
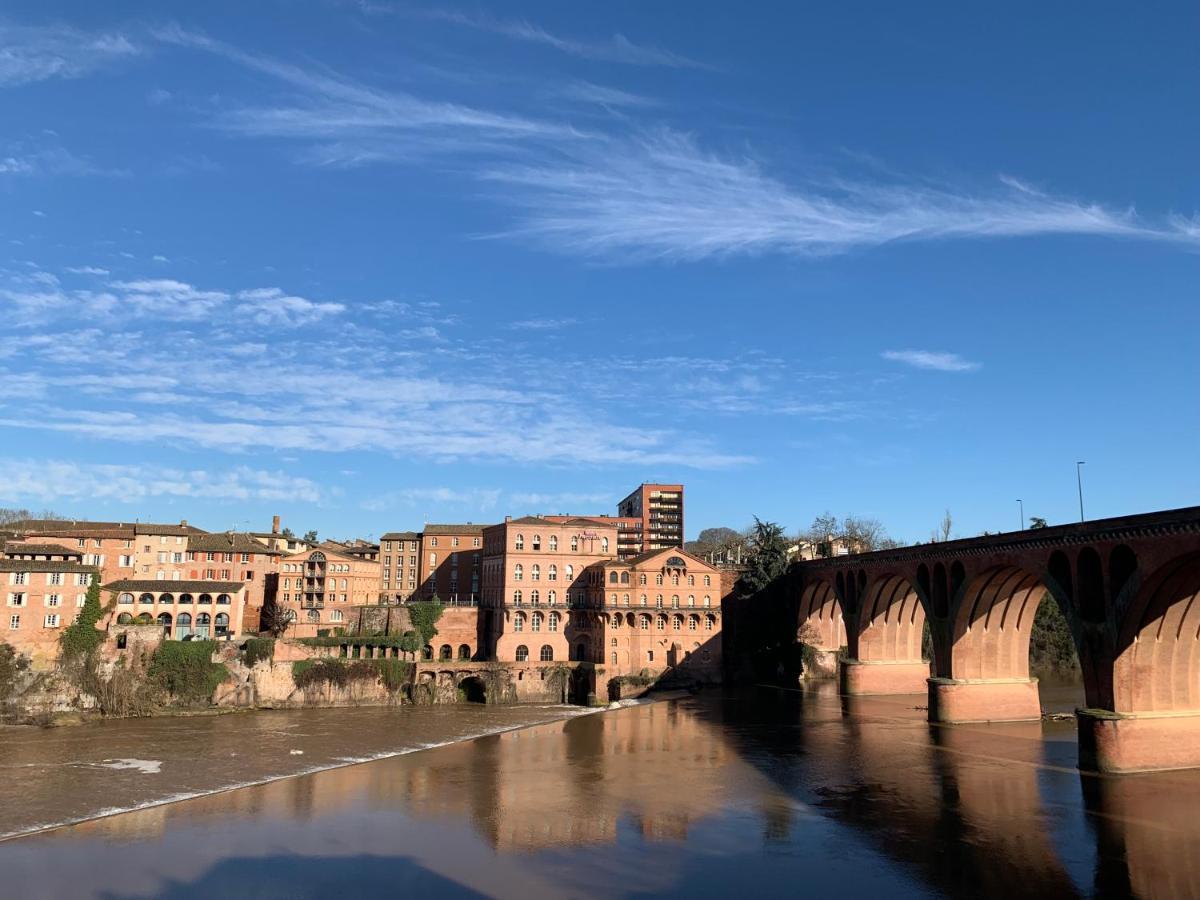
[765,791]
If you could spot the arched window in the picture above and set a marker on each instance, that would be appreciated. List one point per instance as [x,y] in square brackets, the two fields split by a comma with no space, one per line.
[522,653]
[616,621]
[554,542]
[185,599]
[675,580]
[427,652]
[644,622]
[614,657]
[553,624]
[708,601]
[446,652]
[624,578]
[535,572]
[165,599]
[643,600]
[517,598]
[658,601]
[535,622]
[520,542]
[613,642]
[574,542]
[464,651]
[691,599]
[125,619]
[603,545]
[537,542]
[552,573]
[675,601]
[547,654]
[203,621]
[676,623]
[314,615]
[205,599]
[222,624]
[146,599]
[518,572]
[693,622]
[519,622]
[661,623]
[658,578]
[570,570]
[626,599]
[613,578]
[642,578]
[183,625]
[335,616]
[551,597]
[708,581]
[164,619]
[612,600]
[709,622]
[125,598]
[691,581]
[535,598]
[223,599]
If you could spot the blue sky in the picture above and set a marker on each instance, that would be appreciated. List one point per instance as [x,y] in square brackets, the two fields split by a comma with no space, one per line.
[367,264]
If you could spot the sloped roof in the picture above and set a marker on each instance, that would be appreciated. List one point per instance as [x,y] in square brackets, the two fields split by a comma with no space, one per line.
[13,547]
[401,536]
[674,551]
[151,586]
[468,528]
[229,542]
[42,565]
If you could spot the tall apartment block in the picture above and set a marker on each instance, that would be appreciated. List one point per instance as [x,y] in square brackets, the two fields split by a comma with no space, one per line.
[659,510]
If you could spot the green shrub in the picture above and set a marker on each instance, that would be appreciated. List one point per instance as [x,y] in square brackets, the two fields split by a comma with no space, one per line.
[186,670]
[307,673]
[424,616]
[81,637]
[257,649]
[12,665]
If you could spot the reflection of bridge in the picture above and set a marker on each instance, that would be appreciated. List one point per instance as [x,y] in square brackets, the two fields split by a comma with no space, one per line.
[1127,586]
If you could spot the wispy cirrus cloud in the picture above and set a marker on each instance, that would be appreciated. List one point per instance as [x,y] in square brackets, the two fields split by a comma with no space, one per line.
[546,324]
[481,499]
[601,95]
[42,480]
[662,196]
[929,359]
[39,53]
[617,49]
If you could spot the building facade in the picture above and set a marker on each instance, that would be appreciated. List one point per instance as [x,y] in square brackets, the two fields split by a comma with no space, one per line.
[44,589]
[542,583]
[400,566]
[198,608]
[450,563]
[658,510]
[318,586]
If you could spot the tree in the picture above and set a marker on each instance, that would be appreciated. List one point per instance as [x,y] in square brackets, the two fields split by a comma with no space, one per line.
[768,557]
[288,533]
[1037,522]
[275,619]
[310,536]
[8,515]
[943,531]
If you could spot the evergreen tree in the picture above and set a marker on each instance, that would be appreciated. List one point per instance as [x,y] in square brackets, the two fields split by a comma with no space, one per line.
[767,558]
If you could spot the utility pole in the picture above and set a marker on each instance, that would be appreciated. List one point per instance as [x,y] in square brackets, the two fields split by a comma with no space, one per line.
[1079,481]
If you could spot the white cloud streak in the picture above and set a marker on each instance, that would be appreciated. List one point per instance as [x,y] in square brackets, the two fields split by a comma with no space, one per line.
[25,480]
[928,359]
[617,49]
[663,197]
[29,53]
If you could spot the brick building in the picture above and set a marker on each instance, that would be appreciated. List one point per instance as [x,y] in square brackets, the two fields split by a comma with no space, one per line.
[400,566]
[236,556]
[45,586]
[450,561]
[201,608]
[318,586]
[542,579]
[658,509]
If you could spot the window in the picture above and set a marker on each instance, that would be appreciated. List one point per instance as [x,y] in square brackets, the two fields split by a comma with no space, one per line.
[537,542]
[518,572]
[54,578]
[644,622]
[125,598]
[551,597]
[624,578]
[649,656]
[574,542]
[612,599]
[708,601]
[642,578]
[625,599]
[522,653]
[432,559]
[20,578]
[14,622]
[83,579]
[519,622]
[535,572]
[210,556]
[80,599]
[474,543]
[453,543]
[517,598]
[614,642]
[708,581]
[552,573]
[658,601]
[553,625]
[661,623]
[535,598]
[613,578]
[614,658]
[658,578]
[53,600]
[554,542]
[433,542]
[675,601]
[693,621]
[709,621]
[643,600]
[547,654]
[603,545]
[691,581]
[162,556]
[519,544]
[675,580]
[570,573]
[51,620]
[535,622]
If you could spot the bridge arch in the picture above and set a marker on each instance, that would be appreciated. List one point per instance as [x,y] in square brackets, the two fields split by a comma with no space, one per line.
[1157,665]
[994,622]
[891,622]
[820,618]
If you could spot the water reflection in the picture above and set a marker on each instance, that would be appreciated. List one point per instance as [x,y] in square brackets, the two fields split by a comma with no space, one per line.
[673,798]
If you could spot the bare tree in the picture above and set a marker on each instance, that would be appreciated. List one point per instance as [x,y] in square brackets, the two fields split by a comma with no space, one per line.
[943,531]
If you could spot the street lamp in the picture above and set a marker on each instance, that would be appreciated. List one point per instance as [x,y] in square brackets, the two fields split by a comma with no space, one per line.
[1021,503]
[1079,481]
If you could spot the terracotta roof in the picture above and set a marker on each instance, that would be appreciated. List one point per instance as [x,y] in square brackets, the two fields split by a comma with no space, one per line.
[42,565]
[228,542]
[12,547]
[454,529]
[151,586]
[58,524]
[401,536]
[179,530]
[675,551]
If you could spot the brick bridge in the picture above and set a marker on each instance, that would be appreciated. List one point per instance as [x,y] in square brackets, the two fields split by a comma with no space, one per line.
[1129,588]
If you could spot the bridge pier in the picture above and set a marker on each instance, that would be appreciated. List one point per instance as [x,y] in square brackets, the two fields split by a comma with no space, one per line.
[964,700]
[1117,743]
[856,676]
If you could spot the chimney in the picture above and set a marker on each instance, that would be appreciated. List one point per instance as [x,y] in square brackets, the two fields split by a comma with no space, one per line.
[274,524]
[183,523]
[508,518]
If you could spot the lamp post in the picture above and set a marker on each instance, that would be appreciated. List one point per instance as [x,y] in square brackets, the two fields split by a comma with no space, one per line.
[1079,481]
[1021,504]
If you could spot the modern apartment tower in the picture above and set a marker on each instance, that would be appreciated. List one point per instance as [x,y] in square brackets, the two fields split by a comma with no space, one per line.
[659,507]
